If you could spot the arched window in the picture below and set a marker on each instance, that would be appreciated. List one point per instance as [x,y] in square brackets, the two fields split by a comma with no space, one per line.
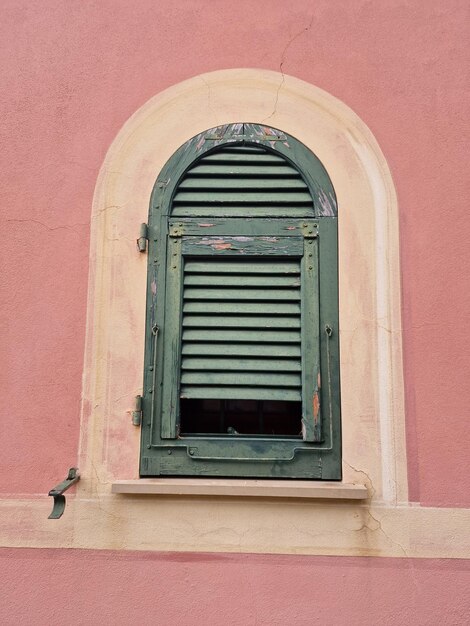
[241,360]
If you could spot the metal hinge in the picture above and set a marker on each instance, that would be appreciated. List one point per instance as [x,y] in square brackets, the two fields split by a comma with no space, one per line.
[143,238]
[137,412]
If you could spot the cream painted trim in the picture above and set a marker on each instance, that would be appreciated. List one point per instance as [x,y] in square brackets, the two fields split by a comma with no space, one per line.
[370,340]
[205,524]
[241,488]
[371,365]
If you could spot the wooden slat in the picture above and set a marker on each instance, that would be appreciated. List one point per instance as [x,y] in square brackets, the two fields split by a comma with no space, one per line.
[241,184]
[241,336]
[235,321]
[242,349]
[242,267]
[243,308]
[241,364]
[242,170]
[243,281]
[237,379]
[247,393]
[208,211]
[247,197]
[240,294]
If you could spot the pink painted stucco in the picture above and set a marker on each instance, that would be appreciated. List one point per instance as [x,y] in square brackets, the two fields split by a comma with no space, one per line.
[56,587]
[72,74]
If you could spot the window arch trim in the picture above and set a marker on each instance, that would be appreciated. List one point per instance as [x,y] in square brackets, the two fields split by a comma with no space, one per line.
[373,419]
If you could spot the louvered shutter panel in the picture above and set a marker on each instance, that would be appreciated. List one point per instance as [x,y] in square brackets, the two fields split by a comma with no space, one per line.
[242,181]
[241,325]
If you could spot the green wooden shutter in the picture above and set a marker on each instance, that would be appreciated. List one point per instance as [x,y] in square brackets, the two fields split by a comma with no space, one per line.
[242,323]
[242,280]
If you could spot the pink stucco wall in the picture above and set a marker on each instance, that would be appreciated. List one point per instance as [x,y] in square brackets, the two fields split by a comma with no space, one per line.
[74,72]
[56,587]
[71,75]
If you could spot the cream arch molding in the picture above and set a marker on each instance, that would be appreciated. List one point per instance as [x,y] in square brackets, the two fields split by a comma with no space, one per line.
[371,359]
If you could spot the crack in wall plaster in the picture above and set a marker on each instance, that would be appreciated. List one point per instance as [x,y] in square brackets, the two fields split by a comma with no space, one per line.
[209,99]
[368,506]
[51,228]
[281,65]
[107,208]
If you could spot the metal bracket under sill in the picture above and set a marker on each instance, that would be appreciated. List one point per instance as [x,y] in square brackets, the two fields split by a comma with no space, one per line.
[59,499]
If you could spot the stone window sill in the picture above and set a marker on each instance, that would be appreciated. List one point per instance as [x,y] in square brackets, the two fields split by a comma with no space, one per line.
[241,488]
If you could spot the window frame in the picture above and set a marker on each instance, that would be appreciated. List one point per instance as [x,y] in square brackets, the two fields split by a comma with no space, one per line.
[324,457]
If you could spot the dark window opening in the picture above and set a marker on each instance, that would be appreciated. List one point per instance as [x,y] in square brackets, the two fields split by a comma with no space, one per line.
[240,417]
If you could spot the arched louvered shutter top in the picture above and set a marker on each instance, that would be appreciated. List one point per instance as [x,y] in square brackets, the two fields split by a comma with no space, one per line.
[242,181]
